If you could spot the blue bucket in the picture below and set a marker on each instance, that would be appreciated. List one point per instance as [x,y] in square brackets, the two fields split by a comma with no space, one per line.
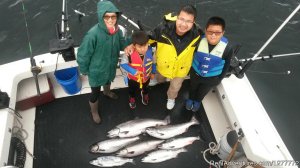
[69,80]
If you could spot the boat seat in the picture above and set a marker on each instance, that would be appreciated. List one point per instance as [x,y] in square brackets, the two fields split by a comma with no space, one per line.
[27,96]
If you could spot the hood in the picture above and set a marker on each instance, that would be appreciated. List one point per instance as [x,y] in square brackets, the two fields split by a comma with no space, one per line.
[103,7]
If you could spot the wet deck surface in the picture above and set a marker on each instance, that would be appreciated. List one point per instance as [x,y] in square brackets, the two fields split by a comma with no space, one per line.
[64,129]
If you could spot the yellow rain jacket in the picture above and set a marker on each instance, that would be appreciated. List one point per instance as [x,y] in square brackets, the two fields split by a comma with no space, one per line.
[171,61]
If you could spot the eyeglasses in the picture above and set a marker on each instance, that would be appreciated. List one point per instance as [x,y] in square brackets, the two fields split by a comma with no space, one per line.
[182,20]
[212,32]
[107,17]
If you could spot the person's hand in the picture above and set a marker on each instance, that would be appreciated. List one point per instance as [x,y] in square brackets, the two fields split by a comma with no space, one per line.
[128,50]
[138,73]
[152,76]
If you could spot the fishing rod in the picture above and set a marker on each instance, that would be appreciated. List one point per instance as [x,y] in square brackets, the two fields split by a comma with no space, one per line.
[245,66]
[266,57]
[236,66]
[63,20]
[35,70]
[137,25]
[63,44]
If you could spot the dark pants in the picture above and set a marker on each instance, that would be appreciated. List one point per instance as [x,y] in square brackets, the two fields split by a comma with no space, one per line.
[95,93]
[134,86]
[199,86]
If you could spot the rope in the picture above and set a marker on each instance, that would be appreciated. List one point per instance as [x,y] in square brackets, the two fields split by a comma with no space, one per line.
[213,149]
[15,112]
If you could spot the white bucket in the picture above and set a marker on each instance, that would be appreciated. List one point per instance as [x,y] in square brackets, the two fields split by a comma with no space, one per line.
[226,144]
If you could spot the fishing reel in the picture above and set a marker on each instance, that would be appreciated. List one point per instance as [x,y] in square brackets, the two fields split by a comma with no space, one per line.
[235,68]
[235,65]
[63,44]
[64,47]
[238,67]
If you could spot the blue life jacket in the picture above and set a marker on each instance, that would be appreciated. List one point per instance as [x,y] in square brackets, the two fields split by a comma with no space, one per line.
[209,64]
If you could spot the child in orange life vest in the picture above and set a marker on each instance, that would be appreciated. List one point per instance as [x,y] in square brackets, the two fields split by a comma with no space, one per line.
[139,67]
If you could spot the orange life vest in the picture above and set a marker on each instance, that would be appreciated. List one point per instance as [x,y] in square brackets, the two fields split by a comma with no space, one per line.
[144,66]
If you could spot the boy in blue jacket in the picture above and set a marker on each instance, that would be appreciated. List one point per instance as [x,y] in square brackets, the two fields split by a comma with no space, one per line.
[211,62]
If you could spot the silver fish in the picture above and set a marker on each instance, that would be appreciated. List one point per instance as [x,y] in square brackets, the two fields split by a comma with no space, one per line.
[162,155]
[111,145]
[178,142]
[110,161]
[168,131]
[139,148]
[135,127]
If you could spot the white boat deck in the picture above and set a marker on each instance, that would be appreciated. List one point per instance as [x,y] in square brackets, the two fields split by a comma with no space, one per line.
[234,105]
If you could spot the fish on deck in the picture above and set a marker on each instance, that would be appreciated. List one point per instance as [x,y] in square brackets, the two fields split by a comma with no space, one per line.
[169,131]
[178,142]
[162,155]
[110,161]
[136,127]
[111,145]
[139,148]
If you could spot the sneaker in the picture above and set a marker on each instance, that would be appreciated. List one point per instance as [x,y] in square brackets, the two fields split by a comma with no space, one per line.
[170,104]
[153,82]
[145,98]
[189,104]
[196,106]
[132,104]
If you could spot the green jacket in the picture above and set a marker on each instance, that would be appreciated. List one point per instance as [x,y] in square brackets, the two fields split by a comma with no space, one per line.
[98,53]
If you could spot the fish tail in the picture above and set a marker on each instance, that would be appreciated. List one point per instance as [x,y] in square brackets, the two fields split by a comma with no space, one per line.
[168,119]
[194,120]
[132,161]
[184,150]
[111,135]
[200,139]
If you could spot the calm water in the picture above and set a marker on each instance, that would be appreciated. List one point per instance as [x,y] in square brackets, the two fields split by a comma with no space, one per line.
[249,22]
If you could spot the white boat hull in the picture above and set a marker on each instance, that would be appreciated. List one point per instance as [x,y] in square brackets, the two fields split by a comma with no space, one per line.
[233,105]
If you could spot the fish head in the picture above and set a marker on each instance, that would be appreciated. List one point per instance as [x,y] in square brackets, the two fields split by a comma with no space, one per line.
[94,148]
[113,133]
[166,146]
[155,132]
[126,134]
